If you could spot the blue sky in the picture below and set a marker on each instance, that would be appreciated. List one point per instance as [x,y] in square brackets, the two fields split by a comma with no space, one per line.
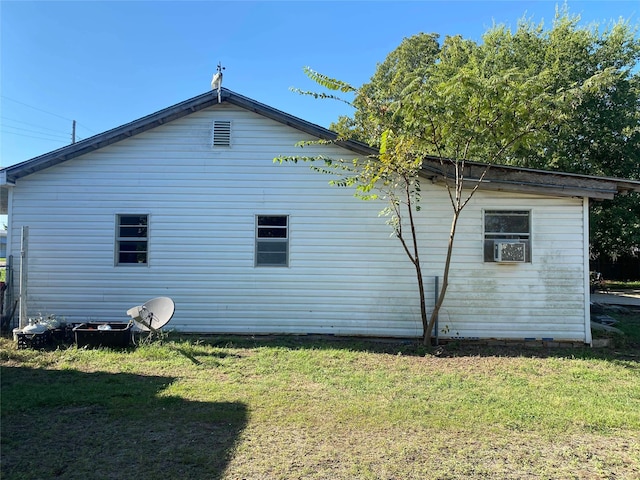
[104,64]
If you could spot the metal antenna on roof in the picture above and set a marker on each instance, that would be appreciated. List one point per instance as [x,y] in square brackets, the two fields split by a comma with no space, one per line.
[216,81]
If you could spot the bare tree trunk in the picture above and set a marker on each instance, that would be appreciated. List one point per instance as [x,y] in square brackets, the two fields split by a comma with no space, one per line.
[428,330]
[423,300]
[416,263]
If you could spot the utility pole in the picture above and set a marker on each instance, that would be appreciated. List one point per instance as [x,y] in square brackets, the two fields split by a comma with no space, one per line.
[73,132]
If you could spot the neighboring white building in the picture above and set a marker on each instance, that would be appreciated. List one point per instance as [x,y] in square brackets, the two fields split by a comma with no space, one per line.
[188,203]
[3,243]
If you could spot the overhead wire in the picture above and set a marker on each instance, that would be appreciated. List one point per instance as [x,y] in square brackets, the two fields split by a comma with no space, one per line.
[36,108]
[48,113]
[32,125]
[33,136]
[56,135]
[37,130]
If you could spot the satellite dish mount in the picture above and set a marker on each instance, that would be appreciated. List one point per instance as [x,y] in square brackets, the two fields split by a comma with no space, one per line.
[152,316]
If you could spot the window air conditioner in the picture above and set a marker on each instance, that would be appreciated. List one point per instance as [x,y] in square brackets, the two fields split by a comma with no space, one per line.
[510,252]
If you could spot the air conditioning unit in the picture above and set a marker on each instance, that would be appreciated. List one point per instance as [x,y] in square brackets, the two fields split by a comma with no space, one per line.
[510,252]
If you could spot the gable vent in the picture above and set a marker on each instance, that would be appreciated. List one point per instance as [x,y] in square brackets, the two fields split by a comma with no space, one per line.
[222,133]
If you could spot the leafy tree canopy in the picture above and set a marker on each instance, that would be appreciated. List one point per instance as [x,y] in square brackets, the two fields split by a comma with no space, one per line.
[561,98]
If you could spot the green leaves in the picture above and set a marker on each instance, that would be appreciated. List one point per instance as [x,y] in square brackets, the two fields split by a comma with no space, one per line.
[565,97]
[328,82]
[320,95]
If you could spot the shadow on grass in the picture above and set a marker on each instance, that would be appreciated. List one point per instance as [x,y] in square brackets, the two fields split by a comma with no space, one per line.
[193,357]
[414,347]
[70,424]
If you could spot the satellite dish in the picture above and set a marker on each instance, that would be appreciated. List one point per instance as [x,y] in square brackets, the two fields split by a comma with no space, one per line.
[153,315]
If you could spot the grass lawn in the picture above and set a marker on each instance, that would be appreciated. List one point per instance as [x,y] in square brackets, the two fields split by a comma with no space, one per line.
[619,285]
[309,408]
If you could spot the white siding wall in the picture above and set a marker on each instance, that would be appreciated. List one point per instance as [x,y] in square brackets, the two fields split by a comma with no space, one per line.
[544,299]
[346,274]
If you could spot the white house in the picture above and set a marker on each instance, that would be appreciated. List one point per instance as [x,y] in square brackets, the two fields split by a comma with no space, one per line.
[188,203]
[3,243]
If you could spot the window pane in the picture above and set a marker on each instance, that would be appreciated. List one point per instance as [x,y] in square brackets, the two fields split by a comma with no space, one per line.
[272,221]
[264,247]
[140,232]
[133,246]
[132,257]
[271,253]
[508,223]
[488,250]
[272,232]
[133,219]
[272,258]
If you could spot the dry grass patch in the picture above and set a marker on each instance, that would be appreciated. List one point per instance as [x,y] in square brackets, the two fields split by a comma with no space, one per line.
[397,453]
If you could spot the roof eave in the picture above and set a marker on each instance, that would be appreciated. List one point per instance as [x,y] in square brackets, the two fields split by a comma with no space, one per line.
[297,123]
[523,180]
[508,178]
[169,114]
[109,137]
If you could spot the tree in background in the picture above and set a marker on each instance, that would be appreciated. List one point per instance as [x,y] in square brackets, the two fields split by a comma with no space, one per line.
[448,107]
[600,134]
[374,100]
[515,98]
[600,129]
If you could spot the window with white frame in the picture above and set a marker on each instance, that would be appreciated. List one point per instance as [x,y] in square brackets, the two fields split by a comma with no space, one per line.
[132,239]
[507,236]
[272,240]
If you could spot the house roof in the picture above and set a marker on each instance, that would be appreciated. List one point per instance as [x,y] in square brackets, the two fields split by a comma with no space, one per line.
[498,178]
[14,172]
[527,180]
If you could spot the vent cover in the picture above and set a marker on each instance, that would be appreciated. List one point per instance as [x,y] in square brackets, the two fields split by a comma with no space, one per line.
[511,252]
[221,133]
